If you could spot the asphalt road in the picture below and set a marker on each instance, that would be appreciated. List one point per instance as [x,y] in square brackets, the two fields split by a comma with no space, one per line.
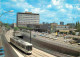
[43,44]
[9,52]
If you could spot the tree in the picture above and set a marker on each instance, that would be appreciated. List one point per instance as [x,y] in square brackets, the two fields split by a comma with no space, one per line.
[76,25]
[16,28]
[0,23]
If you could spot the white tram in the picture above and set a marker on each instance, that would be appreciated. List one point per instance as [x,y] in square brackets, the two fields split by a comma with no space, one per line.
[22,45]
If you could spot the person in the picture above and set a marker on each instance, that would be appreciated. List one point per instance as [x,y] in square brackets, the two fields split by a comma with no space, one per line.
[64,36]
[56,34]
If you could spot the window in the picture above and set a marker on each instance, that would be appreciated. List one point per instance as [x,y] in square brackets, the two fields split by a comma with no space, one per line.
[22,46]
[29,48]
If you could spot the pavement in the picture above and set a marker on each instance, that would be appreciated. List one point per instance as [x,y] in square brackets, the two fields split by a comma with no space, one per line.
[7,48]
[0,42]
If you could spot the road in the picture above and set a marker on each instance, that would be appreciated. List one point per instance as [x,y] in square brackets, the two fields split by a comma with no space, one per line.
[9,52]
[47,45]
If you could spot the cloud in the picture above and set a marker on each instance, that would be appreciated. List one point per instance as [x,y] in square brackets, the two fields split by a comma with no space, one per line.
[37,10]
[62,10]
[77,7]
[18,0]
[68,6]
[14,0]
[24,5]
[26,9]
[60,6]
[56,2]
[18,5]
[49,6]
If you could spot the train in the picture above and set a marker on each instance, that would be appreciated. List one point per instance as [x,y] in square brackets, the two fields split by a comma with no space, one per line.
[22,45]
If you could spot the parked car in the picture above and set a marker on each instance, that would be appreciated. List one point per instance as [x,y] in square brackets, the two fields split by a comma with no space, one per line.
[47,36]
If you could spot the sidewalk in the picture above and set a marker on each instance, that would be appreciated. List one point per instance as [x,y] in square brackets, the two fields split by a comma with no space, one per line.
[0,42]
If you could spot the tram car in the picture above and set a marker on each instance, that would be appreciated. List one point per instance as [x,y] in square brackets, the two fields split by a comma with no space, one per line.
[22,45]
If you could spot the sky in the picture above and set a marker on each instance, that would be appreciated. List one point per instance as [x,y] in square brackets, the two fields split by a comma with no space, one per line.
[67,11]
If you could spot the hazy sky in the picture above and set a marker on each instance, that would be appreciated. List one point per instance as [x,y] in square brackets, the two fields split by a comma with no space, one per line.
[50,11]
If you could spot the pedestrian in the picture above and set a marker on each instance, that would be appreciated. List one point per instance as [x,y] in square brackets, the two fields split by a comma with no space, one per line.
[56,34]
[64,36]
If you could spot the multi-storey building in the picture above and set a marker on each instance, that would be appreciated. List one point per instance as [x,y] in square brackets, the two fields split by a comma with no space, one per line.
[61,23]
[23,19]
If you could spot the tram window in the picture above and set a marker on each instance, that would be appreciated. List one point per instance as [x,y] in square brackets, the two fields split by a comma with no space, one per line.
[26,47]
[29,48]
[23,46]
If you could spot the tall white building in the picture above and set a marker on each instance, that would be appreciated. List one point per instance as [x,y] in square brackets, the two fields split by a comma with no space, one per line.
[23,19]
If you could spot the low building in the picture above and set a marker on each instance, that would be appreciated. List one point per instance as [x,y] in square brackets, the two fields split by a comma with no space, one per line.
[45,27]
[62,28]
[71,25]
[48,27]
[53,27]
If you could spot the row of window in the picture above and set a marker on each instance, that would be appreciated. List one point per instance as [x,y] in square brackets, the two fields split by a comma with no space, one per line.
[62,26]
[26,15]
[29,48]
[27,19]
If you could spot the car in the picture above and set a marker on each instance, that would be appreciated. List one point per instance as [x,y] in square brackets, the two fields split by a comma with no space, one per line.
[40,35]
[55,38]
[50,37]
[47,36]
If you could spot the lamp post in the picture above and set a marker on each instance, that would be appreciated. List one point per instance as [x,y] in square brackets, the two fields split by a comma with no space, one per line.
[30,36]
[6,12]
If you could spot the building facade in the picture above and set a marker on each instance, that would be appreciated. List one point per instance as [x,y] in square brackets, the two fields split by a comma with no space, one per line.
[53,27]
[23,19]
[71,25]
[61,23]
[62,28]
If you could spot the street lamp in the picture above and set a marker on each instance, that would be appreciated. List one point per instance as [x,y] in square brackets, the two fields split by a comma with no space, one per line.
[11,10]
[6,12]
[30,36]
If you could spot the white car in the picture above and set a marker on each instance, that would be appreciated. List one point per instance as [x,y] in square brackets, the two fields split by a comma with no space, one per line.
[50,37]
[47,36]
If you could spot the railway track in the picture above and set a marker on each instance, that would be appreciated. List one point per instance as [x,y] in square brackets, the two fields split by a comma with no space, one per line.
[38,53]
[35,53]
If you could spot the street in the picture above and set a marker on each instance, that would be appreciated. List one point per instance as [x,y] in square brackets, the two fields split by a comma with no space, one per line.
[9,52]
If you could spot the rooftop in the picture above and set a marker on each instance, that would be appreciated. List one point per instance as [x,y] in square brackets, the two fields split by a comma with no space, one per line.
[62,25]
[28,13]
